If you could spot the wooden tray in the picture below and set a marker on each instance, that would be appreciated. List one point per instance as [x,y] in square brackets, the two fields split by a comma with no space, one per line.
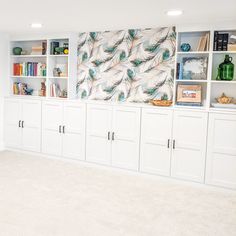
[163,103]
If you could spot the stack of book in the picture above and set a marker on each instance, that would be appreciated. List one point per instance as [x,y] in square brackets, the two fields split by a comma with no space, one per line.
[55,90]
[204,42]
[39,50]
[220,41]
[19,88]
[29,69]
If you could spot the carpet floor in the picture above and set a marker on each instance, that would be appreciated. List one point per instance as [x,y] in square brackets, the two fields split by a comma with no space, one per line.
[50,197]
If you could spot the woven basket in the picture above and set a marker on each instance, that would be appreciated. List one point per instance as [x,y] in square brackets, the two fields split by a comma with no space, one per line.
[163,103]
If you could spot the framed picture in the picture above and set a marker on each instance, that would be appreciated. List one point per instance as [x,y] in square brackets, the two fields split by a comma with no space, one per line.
[195,68]
[189,93]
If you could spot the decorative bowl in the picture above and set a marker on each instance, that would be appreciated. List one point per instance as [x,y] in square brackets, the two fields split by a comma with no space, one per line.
[163,103]
[185,47]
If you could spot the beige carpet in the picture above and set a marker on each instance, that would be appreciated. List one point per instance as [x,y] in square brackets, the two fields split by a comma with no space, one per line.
[49,197]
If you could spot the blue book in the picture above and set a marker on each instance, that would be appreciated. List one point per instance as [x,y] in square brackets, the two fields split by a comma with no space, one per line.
[180,71]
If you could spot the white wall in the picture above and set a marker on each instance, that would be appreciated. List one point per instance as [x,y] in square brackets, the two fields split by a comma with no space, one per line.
[4,61]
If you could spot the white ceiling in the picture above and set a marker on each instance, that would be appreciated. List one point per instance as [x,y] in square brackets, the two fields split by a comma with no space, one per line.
[88,15]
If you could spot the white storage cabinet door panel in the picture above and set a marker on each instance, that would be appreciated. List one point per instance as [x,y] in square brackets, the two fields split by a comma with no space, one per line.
[125,137]
[98,144]
[31,125]
[189,145]
[74,116]
[221,154]
[52,113]
[156,134]
[12,117]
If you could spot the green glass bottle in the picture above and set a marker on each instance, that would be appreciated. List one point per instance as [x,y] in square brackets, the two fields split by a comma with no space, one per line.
[226,69]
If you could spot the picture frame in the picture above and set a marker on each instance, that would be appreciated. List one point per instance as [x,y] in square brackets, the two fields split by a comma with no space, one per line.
[189,94]
[194,68]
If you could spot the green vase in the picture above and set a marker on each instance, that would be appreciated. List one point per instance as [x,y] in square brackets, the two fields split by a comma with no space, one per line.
[226,69]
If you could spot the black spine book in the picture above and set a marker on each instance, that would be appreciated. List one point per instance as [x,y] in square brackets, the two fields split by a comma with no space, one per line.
[215,41]
[177,70]
[220,42]
[225,42]
[53,46]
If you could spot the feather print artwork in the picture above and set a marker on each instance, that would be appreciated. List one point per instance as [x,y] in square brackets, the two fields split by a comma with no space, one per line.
[128,65]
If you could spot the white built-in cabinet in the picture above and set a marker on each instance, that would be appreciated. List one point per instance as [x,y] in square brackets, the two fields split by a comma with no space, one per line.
[221,154]
[156,140]
[113,134]
[63,129]
[23,124]
[186,144]
[189,145]
[174,143]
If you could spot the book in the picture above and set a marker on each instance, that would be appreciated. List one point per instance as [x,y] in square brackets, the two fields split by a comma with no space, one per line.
[215,40]
[225,42]
[193,104]
[44,46]
[202,43]
[53,46]
[219,42]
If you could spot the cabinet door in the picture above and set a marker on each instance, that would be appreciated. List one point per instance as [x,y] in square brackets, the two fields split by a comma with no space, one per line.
[156,137]
[74,130]
[31,125]
[189,145]
[52,113]
[221,153]
[98,147]
[12,110]
[125,146]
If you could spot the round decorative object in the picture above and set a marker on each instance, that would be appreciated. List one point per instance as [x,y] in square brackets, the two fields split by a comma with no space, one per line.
[223,99]
[17,51]
[185,47]
[66,51]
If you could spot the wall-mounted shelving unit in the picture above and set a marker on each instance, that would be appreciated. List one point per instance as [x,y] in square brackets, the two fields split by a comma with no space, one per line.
[211,88]
[200,48]
[57,84]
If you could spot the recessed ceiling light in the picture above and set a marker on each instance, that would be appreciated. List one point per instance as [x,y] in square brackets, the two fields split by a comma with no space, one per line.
[36,25]
[174,12]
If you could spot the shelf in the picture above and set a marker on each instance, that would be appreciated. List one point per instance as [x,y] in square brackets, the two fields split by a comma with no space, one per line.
[193,52]
[214,109]
[190,107]
[52,77]
[28,56]
[29,77]
[223,81]
[191,81]
[224,52]
[59,55]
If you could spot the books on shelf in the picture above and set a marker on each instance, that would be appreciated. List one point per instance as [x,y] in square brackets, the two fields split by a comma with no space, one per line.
[55,90]
[21,89]
[29,69]
[191,104]
[220,41]
[204,43]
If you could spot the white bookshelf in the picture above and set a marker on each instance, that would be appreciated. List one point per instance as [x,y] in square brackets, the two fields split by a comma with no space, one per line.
[63,81]
[211,88]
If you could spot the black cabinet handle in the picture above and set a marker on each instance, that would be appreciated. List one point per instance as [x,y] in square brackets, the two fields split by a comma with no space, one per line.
[108,135]
[19,124]
[168,143]
[22,124]
[113,136]
[59,128]
[63,129]
[173,144]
